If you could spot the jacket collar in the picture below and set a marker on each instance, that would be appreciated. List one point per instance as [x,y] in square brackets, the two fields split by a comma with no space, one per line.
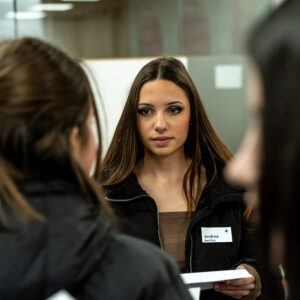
[218,191]
[126,189]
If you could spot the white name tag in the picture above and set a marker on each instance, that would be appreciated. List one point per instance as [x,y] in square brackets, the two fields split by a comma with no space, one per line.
[216,235]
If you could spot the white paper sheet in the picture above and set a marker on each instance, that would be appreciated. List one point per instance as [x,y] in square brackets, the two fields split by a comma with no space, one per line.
[205,280]
[61,295]
[195,292]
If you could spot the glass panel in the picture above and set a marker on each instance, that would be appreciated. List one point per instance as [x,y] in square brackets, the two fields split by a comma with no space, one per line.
[126,28]
[7,24]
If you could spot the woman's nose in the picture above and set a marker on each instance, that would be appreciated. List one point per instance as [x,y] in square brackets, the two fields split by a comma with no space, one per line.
[160,123]
[243,170]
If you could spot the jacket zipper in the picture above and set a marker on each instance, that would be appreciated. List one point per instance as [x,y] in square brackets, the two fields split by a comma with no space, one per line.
[158,231]
[191,253]
[157,214]
[191,237]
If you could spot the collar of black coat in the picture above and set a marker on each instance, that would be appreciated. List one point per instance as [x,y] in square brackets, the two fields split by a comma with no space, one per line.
[217,191]
[127,189]
[48,186]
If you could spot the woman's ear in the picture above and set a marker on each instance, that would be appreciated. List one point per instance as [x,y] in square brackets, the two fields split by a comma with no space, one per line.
[75,142]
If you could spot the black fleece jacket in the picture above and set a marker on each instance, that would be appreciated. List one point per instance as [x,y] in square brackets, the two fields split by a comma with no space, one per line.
[74,249]
[220,206]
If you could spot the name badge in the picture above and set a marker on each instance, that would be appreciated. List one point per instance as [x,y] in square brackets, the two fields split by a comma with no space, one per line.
[216,235]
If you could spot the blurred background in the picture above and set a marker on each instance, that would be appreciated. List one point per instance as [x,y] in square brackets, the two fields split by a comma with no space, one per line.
[116,37]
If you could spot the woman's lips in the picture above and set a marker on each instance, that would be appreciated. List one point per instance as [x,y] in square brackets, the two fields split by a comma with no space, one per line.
[161,141]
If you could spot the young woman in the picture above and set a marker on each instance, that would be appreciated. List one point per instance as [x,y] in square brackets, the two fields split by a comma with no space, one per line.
[55,225]
[163,176]
[268,162]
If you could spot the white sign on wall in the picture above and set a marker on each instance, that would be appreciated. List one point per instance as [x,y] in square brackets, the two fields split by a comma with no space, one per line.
[228,76]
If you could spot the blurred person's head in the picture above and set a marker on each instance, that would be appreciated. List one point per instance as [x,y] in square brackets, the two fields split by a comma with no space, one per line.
[269,162]
[201,143]
[46,114]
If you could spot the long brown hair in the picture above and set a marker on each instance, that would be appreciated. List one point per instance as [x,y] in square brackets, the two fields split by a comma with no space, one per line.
[44,94]
[203,145]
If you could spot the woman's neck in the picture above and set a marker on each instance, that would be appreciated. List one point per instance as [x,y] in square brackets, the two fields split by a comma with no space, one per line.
[163,167]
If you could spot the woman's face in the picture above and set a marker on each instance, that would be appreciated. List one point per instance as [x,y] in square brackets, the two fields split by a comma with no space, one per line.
[85,152]
[163,117]
[244,169]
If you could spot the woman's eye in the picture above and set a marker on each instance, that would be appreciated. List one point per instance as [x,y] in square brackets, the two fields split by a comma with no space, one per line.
[175,110]
[145,111]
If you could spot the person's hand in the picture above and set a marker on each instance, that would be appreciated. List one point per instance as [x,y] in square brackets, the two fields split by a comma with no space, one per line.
[236,288]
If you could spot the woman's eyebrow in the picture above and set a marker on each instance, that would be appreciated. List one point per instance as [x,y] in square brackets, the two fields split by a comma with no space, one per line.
[167,104]
[145,104]
[173,102]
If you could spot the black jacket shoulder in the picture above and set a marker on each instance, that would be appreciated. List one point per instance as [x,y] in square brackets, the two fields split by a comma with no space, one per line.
[75,249]
[135,269]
